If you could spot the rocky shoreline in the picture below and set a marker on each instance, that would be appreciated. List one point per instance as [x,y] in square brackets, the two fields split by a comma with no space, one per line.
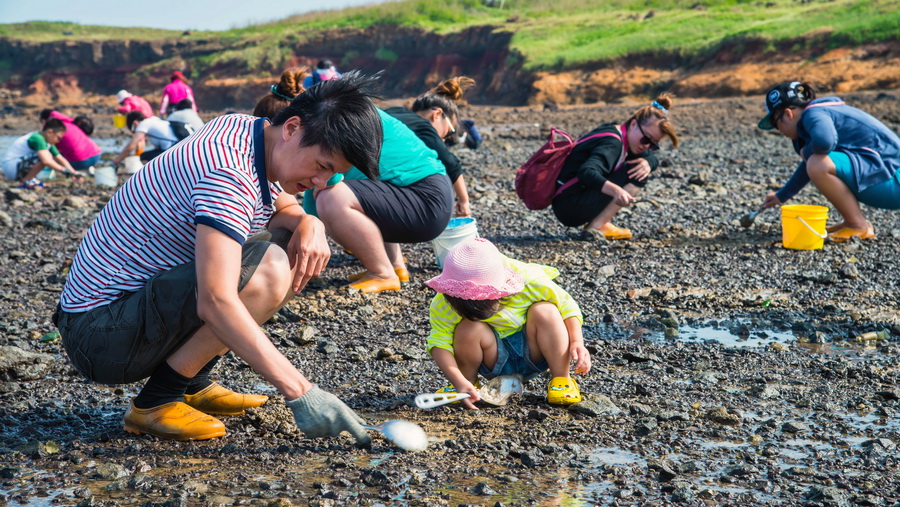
[672,414]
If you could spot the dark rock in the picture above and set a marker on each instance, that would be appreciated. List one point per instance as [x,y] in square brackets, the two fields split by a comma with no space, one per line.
[683,494]
[483,489]
[794,427]
[596,406]
[19,364]
[827,495]
[723,416]
[645,426]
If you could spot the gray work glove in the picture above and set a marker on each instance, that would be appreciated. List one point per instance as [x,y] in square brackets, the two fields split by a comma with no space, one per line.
[319,413]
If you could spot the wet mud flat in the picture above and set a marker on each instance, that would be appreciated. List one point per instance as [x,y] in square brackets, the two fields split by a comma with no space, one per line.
[725,366]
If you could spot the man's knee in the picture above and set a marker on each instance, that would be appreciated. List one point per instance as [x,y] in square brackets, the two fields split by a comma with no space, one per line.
[272,274]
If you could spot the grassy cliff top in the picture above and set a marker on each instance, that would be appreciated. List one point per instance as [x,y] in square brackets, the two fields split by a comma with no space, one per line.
[563,33]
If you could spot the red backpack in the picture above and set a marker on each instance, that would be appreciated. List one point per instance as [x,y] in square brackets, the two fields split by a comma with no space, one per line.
[536,180]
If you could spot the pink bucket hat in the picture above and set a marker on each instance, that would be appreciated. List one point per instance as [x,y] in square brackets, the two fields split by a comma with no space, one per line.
[474,269]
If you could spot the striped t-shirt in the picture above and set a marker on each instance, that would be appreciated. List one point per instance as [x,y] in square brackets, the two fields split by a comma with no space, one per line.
[150,225]
[539,286]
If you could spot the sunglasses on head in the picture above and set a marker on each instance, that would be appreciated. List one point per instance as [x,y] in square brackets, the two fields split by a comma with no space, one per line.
[645,140]
[450,135]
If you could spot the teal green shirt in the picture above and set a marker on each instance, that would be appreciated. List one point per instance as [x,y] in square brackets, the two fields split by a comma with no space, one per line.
[404,159]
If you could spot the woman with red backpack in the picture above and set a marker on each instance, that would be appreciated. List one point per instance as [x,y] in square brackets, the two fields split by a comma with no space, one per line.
[603,174]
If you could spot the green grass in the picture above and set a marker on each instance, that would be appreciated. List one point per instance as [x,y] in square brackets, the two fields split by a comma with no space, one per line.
[48,31]
[549,33]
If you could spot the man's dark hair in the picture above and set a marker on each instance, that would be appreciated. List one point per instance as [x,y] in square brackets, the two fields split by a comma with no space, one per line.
[85,123]
[338,116]
[474,309]
[44,114]
[183,104]
[54,124]
[134,116]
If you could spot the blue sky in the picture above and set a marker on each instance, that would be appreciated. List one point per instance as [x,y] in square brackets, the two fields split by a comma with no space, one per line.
[171,14]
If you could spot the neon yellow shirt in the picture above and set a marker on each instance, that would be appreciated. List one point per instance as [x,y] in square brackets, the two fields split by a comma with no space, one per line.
[539,286]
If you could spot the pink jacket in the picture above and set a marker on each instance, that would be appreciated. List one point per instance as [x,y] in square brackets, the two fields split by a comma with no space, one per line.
[175,92]
[135,103]
[74,145]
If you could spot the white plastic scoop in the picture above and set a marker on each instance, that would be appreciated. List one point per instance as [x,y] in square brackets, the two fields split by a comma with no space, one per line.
[404,434]
[496,392]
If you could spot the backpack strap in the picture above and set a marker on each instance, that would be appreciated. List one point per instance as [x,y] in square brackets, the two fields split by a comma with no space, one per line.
[820,104]
[619,164]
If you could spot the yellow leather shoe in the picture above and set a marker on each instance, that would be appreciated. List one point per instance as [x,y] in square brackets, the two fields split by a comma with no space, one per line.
[611,231]
[370,284]
[215,399]
[172,421]
[402,274]
[845,233]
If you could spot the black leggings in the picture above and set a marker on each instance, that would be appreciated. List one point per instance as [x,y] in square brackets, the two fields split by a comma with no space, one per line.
[578,204]
[411,214]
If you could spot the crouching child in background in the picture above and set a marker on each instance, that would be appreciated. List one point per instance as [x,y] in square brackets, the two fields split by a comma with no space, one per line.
[498,316]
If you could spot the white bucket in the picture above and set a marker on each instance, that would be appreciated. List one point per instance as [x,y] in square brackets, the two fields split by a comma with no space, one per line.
[133,164]
[46,174]
[106,176]
[458,230]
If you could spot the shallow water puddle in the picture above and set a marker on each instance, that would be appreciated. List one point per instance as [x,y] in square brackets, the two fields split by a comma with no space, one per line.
[728,338]
[614,456]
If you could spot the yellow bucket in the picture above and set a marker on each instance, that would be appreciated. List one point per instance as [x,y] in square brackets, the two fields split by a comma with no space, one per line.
[803,226]
[119,121]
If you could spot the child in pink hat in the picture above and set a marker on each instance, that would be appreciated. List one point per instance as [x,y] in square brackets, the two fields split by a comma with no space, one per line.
[498,316]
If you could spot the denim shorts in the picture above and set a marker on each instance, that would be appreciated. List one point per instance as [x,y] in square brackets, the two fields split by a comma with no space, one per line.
[126,340]
[84,165]
[885,195]
[513,357]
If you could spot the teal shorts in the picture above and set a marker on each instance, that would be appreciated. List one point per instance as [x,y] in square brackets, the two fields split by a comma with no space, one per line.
[885,195]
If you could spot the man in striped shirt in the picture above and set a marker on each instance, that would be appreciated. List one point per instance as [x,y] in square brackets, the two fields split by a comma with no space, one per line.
[203,245]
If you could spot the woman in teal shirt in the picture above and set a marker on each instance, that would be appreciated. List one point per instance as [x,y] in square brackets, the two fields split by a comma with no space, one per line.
[411,203]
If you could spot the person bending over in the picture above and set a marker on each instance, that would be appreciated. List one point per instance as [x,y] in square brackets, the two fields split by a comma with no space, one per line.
[434,117]
[603,174]
[31,153]
[203,245]
[498,316]
[848,155]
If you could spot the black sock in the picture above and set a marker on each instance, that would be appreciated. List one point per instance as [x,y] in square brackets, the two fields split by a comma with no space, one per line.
[164,386]
[201,379]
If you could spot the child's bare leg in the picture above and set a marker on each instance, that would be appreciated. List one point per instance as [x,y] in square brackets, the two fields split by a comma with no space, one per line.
[823,174]
[611,209]
[474,343]
[548,338]
[33,171]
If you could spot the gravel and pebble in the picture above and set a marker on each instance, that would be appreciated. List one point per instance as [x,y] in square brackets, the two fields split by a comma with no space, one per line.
[669,417]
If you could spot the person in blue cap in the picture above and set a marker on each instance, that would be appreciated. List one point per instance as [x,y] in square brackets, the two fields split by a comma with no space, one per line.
[848,155]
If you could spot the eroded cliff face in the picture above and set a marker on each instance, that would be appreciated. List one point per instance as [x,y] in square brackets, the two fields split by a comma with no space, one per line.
[412,61]
[228,75]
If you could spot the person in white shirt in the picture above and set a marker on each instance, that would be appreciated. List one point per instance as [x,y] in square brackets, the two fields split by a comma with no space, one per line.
[154,129]
[184,113]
